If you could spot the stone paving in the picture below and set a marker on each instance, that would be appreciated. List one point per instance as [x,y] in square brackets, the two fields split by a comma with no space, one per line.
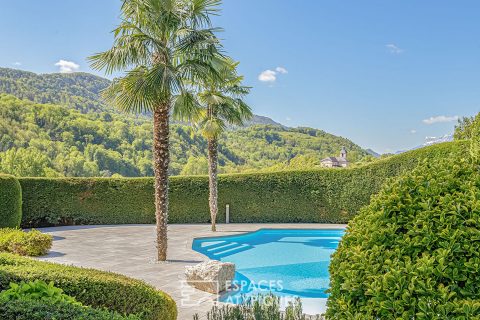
[130,250]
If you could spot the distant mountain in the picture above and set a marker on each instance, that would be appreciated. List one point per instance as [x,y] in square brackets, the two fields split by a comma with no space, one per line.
[434,140]
[57,125]
[373,153]
[80,91]
[430,141]
[262,120]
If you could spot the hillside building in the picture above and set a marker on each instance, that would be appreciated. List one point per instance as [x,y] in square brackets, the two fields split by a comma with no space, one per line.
[336,162]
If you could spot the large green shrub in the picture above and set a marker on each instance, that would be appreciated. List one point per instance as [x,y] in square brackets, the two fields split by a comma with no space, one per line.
[32,243]
[93,288]
[10,202]
[414,252]
[325,195]
[39,310]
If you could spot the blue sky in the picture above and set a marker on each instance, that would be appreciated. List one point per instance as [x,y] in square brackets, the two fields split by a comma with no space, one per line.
[384,74]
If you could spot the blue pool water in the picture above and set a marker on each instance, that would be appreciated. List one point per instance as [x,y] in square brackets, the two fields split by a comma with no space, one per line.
[288,263]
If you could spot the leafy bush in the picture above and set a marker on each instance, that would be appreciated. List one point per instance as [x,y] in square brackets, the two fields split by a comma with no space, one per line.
[325,195]
[90,287]
[36,290]
[259,308]
[39,310]
[10,202]
[32,243]
[414,252]
[467,127]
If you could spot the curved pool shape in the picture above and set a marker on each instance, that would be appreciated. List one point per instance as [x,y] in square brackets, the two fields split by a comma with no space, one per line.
[287,262]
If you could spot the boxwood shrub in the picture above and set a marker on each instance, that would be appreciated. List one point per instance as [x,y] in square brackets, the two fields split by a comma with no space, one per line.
[325,195]
[39,310]
[32,243]
[414,252]
[10,202]
[90,287]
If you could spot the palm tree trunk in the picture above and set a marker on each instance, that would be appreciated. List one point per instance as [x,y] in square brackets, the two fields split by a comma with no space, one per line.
[161,159]
[212,174]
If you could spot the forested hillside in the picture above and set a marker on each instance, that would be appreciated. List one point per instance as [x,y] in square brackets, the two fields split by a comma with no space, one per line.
[57,125]
[79,90]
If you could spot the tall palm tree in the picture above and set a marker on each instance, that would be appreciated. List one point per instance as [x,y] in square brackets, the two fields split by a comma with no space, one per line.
[221,104]
[159,45]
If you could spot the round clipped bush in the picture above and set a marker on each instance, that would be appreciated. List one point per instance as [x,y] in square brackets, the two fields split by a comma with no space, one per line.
[10,202]
[32,243]
[414,252]
[94,288]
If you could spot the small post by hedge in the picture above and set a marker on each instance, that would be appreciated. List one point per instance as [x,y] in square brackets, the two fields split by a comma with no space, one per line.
[227,214]
[10,202]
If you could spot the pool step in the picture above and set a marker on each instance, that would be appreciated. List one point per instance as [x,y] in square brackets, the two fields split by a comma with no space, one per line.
[213,244]
[238,248]
[221,247]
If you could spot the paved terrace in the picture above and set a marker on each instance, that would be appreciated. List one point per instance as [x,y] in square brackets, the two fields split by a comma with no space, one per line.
[130,250]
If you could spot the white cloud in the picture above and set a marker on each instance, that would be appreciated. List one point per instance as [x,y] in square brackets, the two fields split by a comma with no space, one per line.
[394,49]
[413,131]
[17,63]
[440,119]
[268,76]
[67,66]
[288,119]
[271,75]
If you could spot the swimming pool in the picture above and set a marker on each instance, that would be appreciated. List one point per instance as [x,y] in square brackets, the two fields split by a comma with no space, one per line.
[287,262]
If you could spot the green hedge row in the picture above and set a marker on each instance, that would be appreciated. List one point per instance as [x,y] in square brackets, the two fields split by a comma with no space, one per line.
[10,202]
[325,195]
[93,288]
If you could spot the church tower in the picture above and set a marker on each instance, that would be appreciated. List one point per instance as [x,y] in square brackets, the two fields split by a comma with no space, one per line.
[343,153]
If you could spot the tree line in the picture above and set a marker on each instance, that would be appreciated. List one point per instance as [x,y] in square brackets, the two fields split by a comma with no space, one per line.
[50,140]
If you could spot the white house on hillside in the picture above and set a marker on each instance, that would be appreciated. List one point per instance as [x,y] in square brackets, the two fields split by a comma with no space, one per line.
[336,162]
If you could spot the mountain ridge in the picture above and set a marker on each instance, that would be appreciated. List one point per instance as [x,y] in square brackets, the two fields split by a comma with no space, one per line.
[56,125]
[68,85]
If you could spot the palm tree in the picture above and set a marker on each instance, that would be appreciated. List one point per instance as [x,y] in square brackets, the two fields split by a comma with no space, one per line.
[221,101]
[159,45]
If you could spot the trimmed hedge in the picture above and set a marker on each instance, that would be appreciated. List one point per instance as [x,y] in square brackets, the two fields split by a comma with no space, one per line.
[39,310]
[10,202]
[91,287]
[32,243]
[324,196]
[414,252]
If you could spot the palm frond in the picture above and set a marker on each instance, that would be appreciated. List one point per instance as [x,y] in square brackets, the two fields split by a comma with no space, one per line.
[200,45]
[212,127]
[194,72]
[201,10]
[132,92]
[237,91]
[163,77]
[186,107]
